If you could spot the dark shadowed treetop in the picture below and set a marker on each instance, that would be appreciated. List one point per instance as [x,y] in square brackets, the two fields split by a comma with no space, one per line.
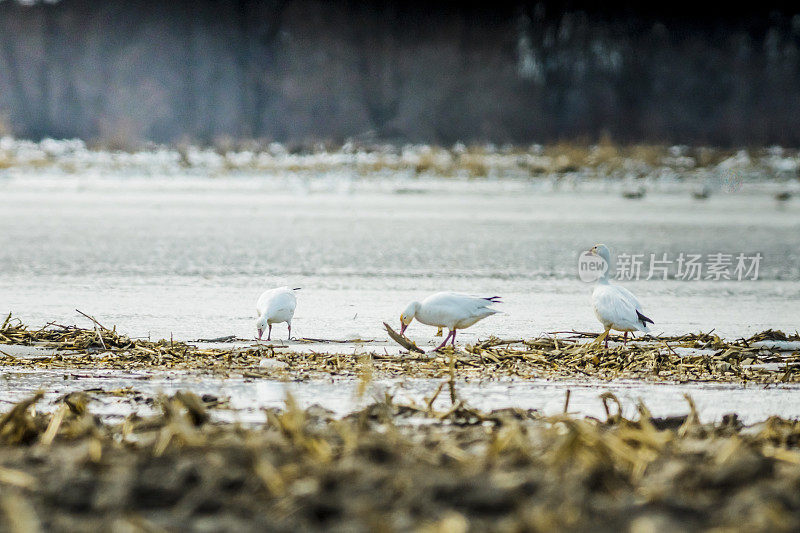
[122,71]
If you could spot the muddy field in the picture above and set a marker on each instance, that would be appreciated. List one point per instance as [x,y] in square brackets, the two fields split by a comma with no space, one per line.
[392,467]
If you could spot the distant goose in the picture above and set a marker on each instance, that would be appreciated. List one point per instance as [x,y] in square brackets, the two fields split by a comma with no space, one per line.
[702,193]
[783,196]
[634,194]
[275,306]
[615,307]
[448,310]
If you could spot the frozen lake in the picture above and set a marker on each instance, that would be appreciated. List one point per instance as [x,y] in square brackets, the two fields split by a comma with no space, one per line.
[190,260]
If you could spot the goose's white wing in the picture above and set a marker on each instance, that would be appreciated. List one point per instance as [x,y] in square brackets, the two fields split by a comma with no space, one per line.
[614,308]
[263,300]
[277,304]
[460,304]
[449,309]
[628,295]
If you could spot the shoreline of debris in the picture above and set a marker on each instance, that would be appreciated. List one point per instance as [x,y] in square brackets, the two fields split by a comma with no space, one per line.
[767,357]
[716,168]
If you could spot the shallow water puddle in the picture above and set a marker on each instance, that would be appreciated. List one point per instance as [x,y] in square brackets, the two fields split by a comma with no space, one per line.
[117,394]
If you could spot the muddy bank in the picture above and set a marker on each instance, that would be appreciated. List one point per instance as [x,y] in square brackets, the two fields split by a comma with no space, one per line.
[768,357]
[394,467]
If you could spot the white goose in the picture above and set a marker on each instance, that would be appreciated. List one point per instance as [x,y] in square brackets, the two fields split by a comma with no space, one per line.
[615,307]
[448,310]
[275,306]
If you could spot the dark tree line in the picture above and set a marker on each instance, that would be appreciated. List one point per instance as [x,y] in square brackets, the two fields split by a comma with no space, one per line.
[124,71]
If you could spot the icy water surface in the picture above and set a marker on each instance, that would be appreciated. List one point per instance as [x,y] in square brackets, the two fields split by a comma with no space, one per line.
[245,399]
[191,261]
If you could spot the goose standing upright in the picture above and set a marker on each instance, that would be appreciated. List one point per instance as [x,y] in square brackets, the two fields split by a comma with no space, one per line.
[615,307]
[448,310]
[275,306]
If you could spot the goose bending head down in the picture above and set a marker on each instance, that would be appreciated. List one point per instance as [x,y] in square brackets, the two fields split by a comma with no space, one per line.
[448,310]
[273,307]
[615,307]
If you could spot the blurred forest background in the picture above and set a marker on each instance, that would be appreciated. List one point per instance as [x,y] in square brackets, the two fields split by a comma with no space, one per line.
[120,72]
